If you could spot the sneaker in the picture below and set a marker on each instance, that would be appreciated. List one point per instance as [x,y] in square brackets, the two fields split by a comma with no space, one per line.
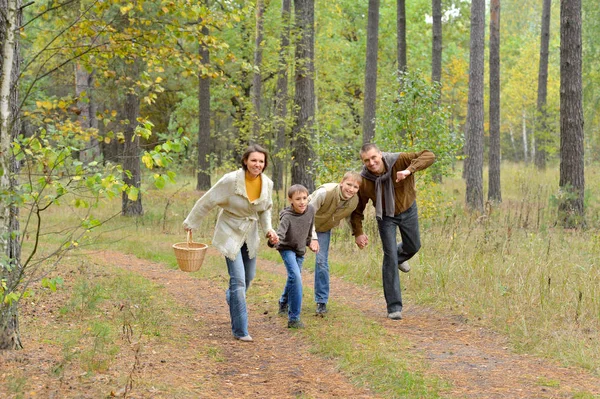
[404,267]
[395,315]
[321,309]
[245,338]
[295,324]
[283,309]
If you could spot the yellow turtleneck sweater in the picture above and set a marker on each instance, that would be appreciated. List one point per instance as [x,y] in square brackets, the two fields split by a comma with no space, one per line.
[253,186]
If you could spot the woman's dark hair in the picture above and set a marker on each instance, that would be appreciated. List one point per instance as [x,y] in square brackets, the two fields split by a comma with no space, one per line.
[254,148]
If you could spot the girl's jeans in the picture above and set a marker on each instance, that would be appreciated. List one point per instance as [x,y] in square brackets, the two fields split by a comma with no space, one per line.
[322,268]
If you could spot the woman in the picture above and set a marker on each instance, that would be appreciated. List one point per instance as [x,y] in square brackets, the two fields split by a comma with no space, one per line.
[244,197]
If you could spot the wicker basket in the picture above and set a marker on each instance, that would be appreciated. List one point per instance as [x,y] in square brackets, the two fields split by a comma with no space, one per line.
[190,255]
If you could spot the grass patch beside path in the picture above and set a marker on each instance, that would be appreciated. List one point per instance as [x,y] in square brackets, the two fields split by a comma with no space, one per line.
[98,328]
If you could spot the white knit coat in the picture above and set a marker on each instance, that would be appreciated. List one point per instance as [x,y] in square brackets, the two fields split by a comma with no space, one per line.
[238,218]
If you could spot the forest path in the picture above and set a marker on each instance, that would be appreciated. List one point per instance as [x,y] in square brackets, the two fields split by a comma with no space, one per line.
[279,363]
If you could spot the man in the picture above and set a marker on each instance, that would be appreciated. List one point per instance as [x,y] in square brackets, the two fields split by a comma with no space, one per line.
[388,181]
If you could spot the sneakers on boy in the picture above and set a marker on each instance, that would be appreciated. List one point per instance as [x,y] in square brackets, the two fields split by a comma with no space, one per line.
[395,315]
[321,309]
[283,309]
[404,267]
[295,324]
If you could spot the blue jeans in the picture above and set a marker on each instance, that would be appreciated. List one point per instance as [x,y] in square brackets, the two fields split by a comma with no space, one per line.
[241,273]
[395,253]
[292,293]
[322,268]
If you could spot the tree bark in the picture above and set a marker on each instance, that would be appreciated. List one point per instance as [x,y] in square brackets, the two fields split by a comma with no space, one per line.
[494,191]
[11,269]
[257,78]
[524,136]
[281,97]
[370,102]
[541,126]
[572,179]
[436,45]
[204,140]
[130,159]
[475,112]
[304,98]
[87,111]
[401,33]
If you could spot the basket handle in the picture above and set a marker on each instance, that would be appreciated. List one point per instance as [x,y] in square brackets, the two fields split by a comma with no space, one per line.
[189,237]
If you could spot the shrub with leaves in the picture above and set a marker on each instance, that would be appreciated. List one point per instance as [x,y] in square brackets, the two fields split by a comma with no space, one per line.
[411,118]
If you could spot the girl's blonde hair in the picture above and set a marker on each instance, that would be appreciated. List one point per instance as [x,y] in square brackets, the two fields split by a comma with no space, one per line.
[352,175]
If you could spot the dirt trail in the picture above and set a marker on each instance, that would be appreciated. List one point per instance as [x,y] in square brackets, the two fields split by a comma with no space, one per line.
[278,364]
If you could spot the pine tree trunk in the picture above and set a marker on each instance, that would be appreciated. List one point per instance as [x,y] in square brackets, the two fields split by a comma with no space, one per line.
[371,72]
[204,140]
[130,160]
[542,93]
[475,112]
[257,78]
[571,115]
[494,191]
[436,45]
[304,98]
[11,269]
[281,97]
[401,33]
[86,112]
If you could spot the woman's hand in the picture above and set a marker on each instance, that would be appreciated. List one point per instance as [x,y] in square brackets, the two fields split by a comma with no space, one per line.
[273,237]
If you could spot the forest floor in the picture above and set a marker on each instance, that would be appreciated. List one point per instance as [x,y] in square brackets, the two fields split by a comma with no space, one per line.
[280,363]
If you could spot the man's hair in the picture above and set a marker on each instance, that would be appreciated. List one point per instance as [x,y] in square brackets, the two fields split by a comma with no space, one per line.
[296,188]
[368,147]
[352,176]
[254,148]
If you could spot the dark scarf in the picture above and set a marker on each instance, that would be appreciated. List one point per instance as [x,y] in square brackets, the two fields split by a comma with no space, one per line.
[385,180]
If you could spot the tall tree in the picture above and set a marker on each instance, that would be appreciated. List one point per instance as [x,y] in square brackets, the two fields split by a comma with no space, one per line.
[401,34]
[130,158]
[571,114]
[304,97]
[203,174]
[475,112]
[370,103]
[11,269]
[494,190]
[436,45]
[542,92]
[257,78]
[281,96]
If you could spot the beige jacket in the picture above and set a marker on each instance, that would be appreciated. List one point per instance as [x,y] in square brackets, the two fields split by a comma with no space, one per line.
[239,219]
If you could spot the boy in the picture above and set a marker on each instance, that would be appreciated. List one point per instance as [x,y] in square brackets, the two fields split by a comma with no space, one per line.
[295,234]
[332,202]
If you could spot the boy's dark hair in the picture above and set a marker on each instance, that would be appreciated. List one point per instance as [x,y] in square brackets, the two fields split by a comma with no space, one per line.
[368,147]
[254,148]
[296,188]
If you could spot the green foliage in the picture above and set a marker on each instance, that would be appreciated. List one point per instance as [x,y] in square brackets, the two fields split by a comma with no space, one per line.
[412,119]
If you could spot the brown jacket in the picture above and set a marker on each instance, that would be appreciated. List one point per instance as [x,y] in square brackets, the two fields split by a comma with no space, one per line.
[404,191]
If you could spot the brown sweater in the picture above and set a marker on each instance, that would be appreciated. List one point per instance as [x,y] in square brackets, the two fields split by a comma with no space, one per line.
[404,190]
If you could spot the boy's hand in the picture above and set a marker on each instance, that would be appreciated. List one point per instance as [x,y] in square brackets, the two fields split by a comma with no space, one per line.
[314,246]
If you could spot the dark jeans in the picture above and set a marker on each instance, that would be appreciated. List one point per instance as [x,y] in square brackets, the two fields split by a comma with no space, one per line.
[395,253]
